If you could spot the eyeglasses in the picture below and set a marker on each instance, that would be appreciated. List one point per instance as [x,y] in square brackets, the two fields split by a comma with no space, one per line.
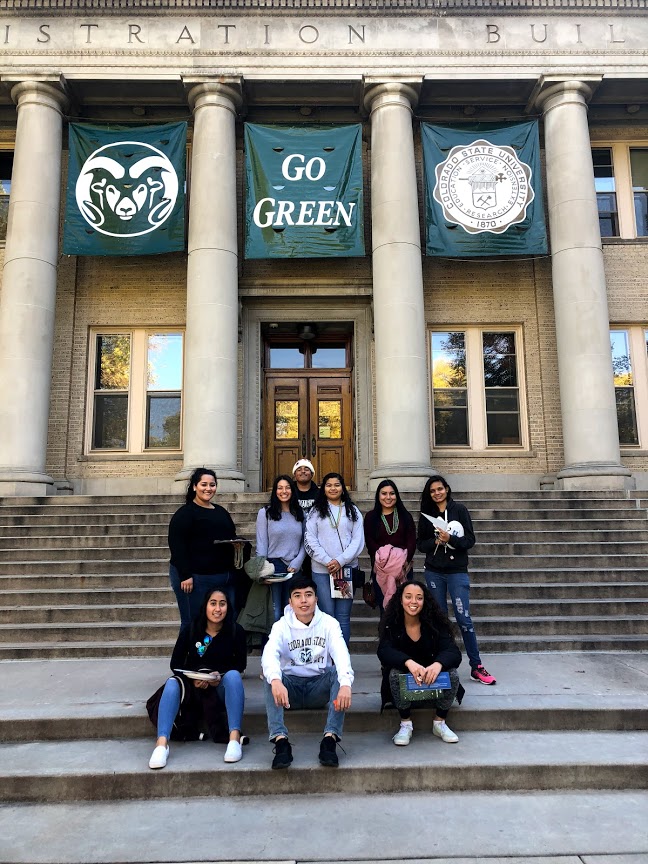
[201,647]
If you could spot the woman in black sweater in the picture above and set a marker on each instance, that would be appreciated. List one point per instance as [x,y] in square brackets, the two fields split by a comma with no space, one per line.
[415,637]
[186,707]
[197,562]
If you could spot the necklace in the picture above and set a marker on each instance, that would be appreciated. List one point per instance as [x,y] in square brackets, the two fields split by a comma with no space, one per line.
[386,524]
[201,647]
[335,522]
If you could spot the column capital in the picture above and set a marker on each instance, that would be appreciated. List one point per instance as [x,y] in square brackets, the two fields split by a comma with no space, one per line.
[571,91]
[391,93]
[32,92]
[215,93]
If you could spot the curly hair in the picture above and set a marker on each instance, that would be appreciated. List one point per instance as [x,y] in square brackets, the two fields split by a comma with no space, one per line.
[321,504]
[273,509]
[427,504]
[432,616]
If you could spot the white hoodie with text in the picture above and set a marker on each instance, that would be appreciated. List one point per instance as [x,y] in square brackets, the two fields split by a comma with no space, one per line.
[306,650]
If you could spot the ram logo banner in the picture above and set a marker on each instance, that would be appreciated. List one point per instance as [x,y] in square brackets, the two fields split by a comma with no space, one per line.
[304,191]
[483,194]
[126,190]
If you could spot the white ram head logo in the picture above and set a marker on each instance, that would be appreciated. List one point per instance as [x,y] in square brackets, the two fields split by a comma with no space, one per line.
[126,200]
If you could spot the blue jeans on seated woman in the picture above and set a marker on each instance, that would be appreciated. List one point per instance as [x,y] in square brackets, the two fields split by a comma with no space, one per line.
[280,592]
[229,691]
[338,609]
[189,604]
[458,586]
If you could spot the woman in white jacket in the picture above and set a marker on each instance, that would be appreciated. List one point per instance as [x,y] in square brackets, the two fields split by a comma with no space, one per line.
[334,539]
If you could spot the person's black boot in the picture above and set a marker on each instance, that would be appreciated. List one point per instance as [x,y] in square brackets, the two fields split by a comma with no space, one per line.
[327,755]
[283,753]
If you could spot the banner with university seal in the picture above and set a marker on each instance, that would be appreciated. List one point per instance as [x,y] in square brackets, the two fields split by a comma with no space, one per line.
[125,190]
[483,190]
[304,191]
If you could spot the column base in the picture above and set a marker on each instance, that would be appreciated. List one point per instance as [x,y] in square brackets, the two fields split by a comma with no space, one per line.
[29,484]
[408,478]
[594,476]
[229,479]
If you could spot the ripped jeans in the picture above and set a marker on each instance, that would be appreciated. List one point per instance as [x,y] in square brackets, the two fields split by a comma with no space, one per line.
[458,586]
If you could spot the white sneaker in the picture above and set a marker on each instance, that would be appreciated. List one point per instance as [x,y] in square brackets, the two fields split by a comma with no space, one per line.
[404,735]
[444,732]
[233,752]
[159,757]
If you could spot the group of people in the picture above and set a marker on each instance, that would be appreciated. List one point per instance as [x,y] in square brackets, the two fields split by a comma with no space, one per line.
[313,537]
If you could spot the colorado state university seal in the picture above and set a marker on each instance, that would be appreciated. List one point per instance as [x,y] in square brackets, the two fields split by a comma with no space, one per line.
[483,187]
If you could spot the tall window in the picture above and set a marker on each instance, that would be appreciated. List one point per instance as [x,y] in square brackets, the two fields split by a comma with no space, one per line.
[639,171]
[136,391]
[6,167]
[605,191]
[475,389]
[624,385]
[621,182]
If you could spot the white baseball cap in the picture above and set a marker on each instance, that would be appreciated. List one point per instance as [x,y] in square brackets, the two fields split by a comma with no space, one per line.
[303,463]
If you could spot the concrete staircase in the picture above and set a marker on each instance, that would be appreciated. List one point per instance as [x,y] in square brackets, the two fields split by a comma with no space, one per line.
[87,576]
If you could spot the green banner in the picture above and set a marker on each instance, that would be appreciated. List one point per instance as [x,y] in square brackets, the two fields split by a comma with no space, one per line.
[483,192]
[126,190]
[304,191]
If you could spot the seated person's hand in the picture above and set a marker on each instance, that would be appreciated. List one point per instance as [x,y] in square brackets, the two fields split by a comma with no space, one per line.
[417,670]
[431,673]
[201,685]
[442,536]
[280,694]
[344,698]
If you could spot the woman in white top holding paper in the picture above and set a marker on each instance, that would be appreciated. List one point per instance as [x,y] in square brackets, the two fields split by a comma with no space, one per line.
[334,540]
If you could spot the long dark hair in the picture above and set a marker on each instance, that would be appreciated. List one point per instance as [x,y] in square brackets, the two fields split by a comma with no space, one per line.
[199,625]
[195,477]
[427,504]
[432,616]
[321,504]
[273,509]
[375,514]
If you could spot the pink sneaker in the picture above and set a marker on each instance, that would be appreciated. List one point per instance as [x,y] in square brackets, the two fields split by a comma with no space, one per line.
[480,674]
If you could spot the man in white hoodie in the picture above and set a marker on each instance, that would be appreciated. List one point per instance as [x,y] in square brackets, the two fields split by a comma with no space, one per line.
[299,673]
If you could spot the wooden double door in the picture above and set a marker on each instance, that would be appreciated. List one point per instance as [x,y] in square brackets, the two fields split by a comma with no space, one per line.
[308,414]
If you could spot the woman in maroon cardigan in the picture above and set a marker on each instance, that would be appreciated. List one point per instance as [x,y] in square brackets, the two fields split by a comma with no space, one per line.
[388,524]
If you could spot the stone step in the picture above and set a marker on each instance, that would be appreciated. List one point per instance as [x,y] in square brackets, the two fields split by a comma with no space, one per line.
[574,625]
[118,770]
[89,613]
[63,578]
[365,645]
[604,529]
[80,536]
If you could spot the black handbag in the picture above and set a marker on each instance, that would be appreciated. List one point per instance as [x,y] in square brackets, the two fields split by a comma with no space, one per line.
[369,595]
[358,577]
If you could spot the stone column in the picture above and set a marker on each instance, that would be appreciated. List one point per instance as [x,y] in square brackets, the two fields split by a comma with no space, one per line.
[29,290]
[210,382]
[402,378]
[588,407]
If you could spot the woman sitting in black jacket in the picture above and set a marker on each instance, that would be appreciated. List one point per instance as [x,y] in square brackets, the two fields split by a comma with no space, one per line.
[184,708]
[415,637]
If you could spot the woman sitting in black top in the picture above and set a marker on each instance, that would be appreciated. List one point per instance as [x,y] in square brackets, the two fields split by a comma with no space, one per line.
[197,562]
[415,637]
[185,708]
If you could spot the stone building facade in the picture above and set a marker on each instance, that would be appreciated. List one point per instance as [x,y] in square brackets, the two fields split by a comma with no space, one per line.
[258,362]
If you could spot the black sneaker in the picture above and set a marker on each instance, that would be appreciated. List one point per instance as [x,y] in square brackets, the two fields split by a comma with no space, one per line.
[283,753]
[327,755]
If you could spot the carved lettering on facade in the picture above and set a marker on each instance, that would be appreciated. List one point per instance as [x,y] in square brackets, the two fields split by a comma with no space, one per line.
[308,34]
[492,33]
[612,38]
[88,32]
[134,31]
[543,35]
[185,34]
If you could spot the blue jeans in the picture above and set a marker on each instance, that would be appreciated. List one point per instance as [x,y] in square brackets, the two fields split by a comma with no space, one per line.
[458,586]
[315,692]
[280,592]
[338,609]
[189,604]
[229,691]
